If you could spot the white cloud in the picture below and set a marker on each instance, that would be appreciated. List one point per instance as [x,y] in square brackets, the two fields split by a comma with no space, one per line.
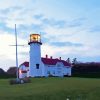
[22,12]
[14,3]
[7,52]
[90,46]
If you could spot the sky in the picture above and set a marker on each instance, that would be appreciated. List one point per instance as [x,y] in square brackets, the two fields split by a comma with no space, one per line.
[68,28]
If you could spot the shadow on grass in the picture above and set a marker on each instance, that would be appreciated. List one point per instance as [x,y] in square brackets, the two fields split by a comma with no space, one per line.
[7,76]
[86,75]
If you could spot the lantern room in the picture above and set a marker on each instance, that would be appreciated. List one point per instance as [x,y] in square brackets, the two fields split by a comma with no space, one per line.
[35,38]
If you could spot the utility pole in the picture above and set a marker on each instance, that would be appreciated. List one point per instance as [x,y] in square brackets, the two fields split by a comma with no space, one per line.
[16,45]
[17,72]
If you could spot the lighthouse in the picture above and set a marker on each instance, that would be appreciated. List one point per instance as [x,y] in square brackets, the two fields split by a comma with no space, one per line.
[42,66]
[35,65]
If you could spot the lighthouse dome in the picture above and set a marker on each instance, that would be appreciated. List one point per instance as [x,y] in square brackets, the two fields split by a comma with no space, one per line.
[35,38]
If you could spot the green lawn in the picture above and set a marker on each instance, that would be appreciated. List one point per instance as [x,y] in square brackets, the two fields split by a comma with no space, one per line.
[52,89]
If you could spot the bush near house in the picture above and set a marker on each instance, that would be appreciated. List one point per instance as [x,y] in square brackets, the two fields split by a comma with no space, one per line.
[2,71]
[4,75]
[86,70]
[12,71]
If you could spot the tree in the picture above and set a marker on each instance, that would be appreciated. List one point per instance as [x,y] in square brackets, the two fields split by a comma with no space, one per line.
[68,60]
[74,61]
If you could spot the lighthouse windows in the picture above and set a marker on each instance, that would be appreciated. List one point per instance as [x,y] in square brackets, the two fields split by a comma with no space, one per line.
[37,66]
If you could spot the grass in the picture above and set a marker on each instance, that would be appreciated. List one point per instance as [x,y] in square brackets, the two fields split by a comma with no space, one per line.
[52,89]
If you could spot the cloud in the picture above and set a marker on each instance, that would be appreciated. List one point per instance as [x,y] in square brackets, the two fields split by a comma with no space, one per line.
[73,50]
[95,29]
[16,3]
[38,16]
[31,28]
[11,9]
[20,14]
[62,23]
[5,62]
[5,28]
[28,19]
[65,31]
[62,29]
[7,52]
[76,22]
[53,22]
[59,44]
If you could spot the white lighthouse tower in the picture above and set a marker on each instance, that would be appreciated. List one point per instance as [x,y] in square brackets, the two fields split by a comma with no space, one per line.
[35,65]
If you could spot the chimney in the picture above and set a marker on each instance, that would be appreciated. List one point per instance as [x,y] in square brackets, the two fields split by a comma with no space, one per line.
[46,56]
[51,57]
[59,58]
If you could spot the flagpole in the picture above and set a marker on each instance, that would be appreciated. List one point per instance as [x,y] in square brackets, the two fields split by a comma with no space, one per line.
[16,52]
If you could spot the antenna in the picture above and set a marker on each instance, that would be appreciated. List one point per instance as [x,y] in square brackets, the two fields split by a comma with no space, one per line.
[16,44]
[16,52]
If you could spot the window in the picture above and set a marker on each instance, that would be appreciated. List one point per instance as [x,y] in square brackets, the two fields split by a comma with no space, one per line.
[37,66]
[59,65]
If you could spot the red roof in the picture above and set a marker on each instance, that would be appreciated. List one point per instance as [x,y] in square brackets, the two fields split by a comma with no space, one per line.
[49,61]
[26,64]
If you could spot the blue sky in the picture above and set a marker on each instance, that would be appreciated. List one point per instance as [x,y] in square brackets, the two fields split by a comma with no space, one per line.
[69,28]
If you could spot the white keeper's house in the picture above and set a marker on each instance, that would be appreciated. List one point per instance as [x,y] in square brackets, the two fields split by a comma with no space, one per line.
[42,67]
